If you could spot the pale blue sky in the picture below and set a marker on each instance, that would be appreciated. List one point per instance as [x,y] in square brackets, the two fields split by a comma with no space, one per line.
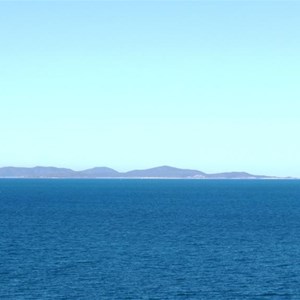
[210,85]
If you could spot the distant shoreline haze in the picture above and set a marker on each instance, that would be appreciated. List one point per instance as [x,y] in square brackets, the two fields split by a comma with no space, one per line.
[105,172]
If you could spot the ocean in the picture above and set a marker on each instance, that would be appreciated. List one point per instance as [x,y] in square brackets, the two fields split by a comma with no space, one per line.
[149,239]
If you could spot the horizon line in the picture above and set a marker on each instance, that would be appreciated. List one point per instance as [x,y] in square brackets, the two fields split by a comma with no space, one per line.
[147,169]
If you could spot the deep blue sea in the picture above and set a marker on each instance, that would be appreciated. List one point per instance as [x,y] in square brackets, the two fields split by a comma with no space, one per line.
[149,239]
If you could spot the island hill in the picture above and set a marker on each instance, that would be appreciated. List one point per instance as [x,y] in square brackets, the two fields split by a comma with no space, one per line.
[104,172]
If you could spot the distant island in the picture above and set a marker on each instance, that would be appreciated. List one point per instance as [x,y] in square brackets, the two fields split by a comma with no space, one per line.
[104,172]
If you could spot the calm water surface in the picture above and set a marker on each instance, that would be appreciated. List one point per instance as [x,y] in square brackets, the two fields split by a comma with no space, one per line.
[149,239]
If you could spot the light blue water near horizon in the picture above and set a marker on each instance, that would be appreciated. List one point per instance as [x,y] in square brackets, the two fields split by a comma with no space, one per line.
[149,239]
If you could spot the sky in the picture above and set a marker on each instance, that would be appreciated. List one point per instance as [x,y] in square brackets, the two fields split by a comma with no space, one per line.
[208,85]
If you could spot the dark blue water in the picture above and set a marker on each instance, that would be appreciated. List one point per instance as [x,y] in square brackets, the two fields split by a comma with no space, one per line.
[149,239]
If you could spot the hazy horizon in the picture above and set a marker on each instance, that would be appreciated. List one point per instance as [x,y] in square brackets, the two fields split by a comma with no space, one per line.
[140,169]
[206,85]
